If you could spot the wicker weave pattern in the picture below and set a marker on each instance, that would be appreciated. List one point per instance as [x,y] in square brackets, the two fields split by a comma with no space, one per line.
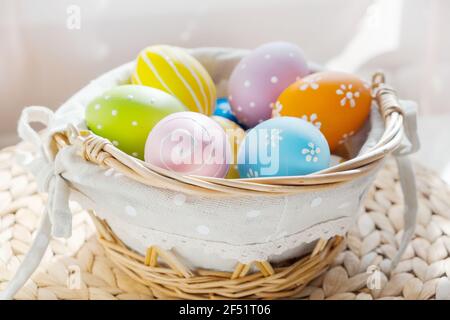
[269,282]
[167,277]
[161,271]
[423,272]
[100,151]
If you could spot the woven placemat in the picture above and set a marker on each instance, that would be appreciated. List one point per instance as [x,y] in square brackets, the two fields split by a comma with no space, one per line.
[361,271]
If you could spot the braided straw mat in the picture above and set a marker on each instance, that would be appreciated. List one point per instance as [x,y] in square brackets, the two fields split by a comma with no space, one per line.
[423,273]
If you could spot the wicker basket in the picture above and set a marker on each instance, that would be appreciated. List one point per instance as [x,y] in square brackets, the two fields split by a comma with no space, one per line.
[168,278]
[163,271]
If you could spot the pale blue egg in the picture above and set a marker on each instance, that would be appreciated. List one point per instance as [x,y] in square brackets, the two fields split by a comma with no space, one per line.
[283,146]
[223,109]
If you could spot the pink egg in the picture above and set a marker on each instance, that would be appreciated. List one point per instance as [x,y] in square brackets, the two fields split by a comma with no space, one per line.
[259,78]
[189,143]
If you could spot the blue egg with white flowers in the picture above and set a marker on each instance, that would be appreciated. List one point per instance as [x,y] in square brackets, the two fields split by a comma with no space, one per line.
[283,146]
[223,109]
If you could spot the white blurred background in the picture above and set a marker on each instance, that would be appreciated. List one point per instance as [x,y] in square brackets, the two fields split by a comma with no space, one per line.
[49,49]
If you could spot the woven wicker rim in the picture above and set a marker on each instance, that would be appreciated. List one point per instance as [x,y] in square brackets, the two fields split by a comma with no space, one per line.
[102,152]
[168,278]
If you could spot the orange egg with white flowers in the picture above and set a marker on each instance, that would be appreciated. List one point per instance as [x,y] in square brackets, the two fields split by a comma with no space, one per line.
[337,103]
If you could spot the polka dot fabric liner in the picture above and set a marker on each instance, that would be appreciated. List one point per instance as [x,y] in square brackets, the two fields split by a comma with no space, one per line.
[210,232]
[241,229]
[77,268]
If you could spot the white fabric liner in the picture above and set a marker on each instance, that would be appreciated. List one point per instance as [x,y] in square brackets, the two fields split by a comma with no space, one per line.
[203,232]
[206,232]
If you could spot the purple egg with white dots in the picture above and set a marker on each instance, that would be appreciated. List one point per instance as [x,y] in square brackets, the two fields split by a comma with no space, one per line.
[260,77]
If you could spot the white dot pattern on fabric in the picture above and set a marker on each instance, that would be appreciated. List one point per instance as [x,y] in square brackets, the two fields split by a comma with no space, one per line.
[316,202]
[253,213]
[115,142]
[131,211]
[247,83]
[252,104]
[114,113]
[109,172]
[99,126]
[344,205]
[203,230]
[274,79]
[134,123]
[97,107]
[179,199]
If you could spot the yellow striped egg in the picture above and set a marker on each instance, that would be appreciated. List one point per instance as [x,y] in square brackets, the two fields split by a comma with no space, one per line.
[174,71]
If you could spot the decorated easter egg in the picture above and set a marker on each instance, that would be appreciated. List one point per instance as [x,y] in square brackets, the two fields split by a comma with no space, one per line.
[335,102]
[283,146]
[174,71]
[260,77]
[126,114]
[235,135]
[189,143]
[223,109]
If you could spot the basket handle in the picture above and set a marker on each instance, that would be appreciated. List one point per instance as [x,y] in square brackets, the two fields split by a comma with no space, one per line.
[388,102]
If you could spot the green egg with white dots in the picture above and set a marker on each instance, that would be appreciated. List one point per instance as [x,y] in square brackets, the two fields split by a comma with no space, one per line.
[126,114]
